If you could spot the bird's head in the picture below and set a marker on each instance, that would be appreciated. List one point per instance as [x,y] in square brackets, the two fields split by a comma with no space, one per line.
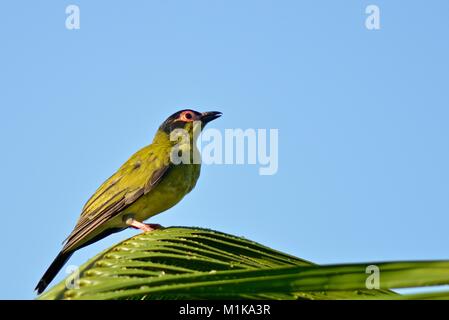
[188,120]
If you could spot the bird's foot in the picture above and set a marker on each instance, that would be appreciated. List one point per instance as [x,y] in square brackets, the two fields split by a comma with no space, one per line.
[145,227]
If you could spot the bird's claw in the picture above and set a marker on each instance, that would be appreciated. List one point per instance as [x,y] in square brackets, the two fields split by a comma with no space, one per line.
[145,227]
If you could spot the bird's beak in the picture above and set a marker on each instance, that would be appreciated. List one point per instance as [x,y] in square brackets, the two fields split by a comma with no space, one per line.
[208,116]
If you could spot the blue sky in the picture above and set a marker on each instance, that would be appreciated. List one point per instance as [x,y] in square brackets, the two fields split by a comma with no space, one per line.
[362,118]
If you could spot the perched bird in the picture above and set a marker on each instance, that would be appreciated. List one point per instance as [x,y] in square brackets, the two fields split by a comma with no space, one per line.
[145,185]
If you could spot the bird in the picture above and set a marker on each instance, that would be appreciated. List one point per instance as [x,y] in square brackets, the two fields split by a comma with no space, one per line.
[148,183]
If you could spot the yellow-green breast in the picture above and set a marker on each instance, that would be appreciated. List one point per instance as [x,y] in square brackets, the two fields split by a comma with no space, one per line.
[178,181]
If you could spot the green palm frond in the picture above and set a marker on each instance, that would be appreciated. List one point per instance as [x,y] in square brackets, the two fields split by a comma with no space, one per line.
[192,263]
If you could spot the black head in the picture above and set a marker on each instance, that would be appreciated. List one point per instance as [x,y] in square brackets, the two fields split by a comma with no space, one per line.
[186,117]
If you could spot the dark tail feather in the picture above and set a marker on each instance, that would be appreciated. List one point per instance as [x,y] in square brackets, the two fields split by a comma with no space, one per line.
[52,271]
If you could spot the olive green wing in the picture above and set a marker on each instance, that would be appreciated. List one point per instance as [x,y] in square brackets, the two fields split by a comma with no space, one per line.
[136,177]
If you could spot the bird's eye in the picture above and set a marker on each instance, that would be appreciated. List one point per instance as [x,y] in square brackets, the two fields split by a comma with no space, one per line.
[187,116]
